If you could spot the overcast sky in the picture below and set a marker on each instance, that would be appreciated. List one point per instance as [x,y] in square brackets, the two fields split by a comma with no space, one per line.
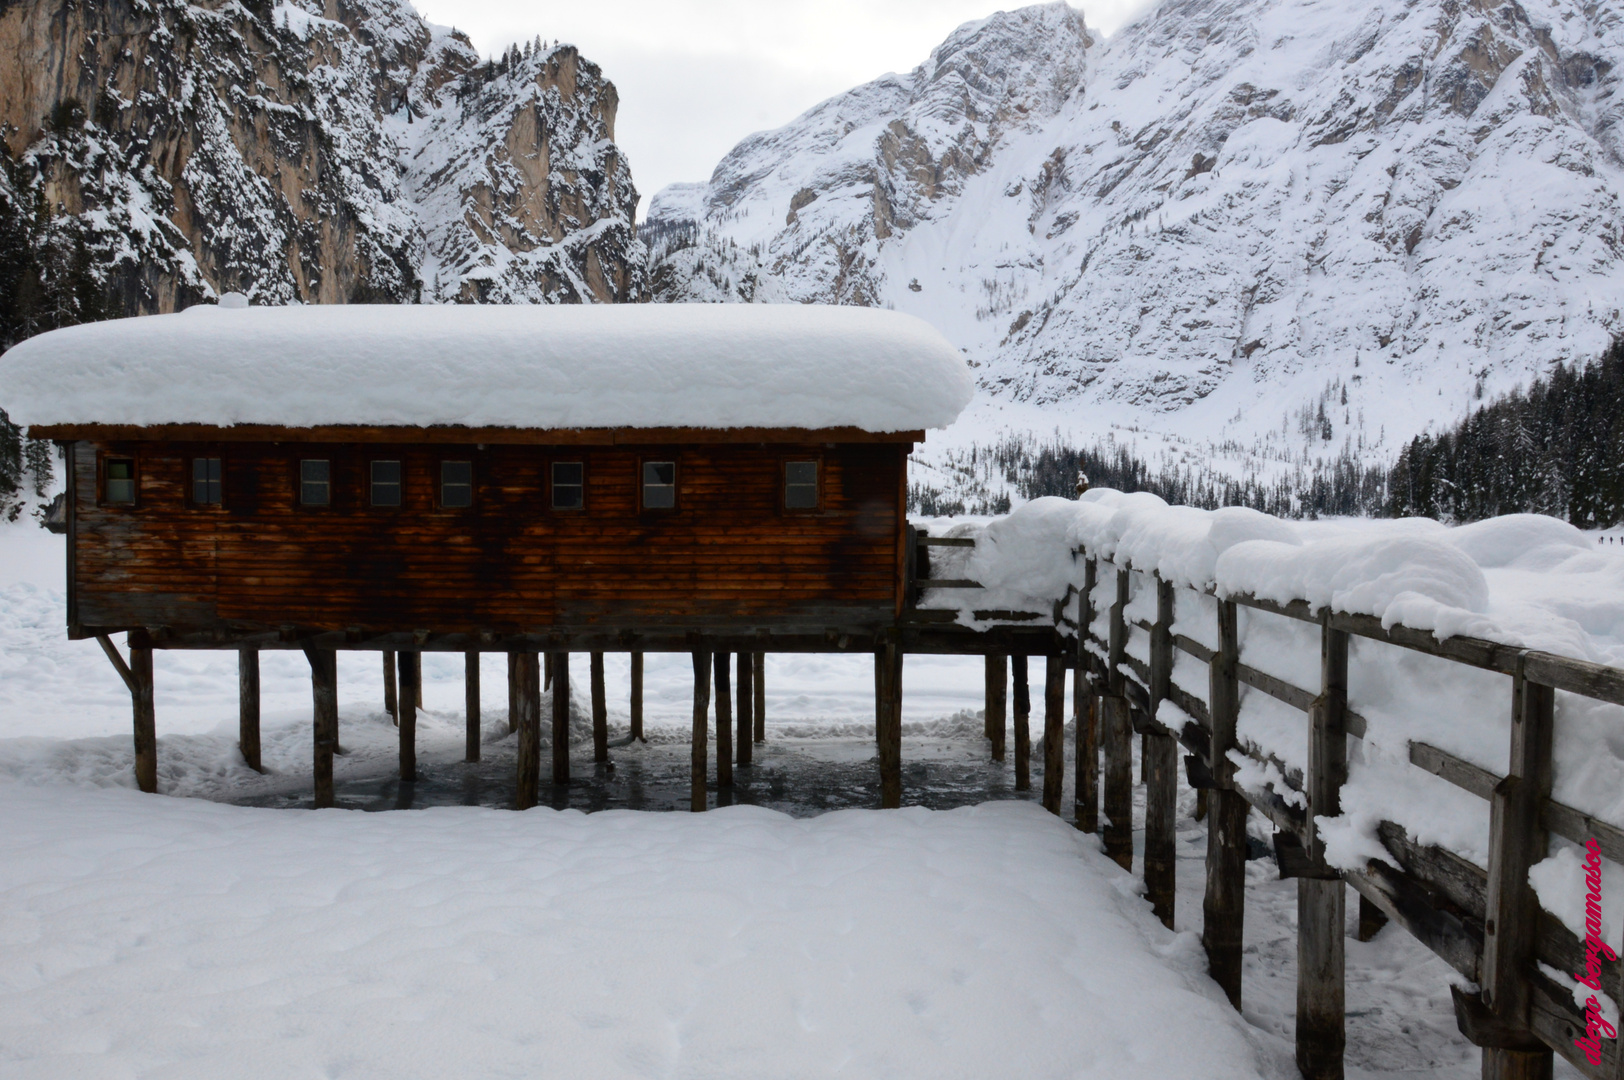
[696,76]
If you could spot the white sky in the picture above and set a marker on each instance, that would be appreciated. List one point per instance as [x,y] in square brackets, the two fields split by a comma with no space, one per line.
[696,76]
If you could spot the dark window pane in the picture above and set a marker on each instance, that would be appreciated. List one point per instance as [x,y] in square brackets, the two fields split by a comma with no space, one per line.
[659,485]
[206,481]
[315,482]
[800,485]
[569,485]
[120,481]
[456,483]
[386,483]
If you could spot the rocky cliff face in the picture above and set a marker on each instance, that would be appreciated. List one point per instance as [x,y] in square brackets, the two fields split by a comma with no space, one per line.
[301,152]
[1230,215]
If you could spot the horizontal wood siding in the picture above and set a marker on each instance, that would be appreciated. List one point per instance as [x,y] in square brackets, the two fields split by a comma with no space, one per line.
[728,554]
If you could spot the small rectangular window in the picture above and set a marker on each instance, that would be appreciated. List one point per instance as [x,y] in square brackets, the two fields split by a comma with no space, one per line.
[315,482]
[659,485]
[120,481]
[386,483]
[569,485]
[456,484]
[800,485]
[206,481]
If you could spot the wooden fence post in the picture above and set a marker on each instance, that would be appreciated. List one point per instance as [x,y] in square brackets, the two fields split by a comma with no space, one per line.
[1322,901]
[470,700]
[248,706]
[637,697]
[1516,842]
[890,726]
[324,698]
[1083,701]
[744,738]
[411,667]
[1161,767]
[1054,732]
[997,701]
[1116,737]
[600,710]
[561,719]
[391,697]
[1223,910]
[1023,722]
[525,680]
[701,736]
[759,713]
[724,721]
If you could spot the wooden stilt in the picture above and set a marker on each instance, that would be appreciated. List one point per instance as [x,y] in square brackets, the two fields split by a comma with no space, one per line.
[324,696]
[1086,793]
[701,736]
[724,720]
[514,663]
[470,697]
[745,739]
[997,702]
[391,697]
[248,706]
[890,726]
[1023,723]
[1054,732]
[411,678]
[758,715]
[600,712]
[1116,739]
[1161,768]
[1322,901]
[561,719]
[637,697]
[1223,909]
[525,678]
[879,694]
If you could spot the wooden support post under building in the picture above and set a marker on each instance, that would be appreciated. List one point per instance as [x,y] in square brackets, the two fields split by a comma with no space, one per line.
[745,740]
[411,678]
[1517,842]
[1054,732]
[1116,738]
[525,678]
[637,698]
[561,718]
[890,725]
[701,735]
[391,695]
[248,706]
[1086,789]
[470,699]
[600,712]
[1161,768]
[1223,910]
[758,714]
[1322,901]
[724,720]
[324,698]
[997,702]
[1023,723]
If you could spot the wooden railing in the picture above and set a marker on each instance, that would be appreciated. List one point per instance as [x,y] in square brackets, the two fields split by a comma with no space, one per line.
[1484,922]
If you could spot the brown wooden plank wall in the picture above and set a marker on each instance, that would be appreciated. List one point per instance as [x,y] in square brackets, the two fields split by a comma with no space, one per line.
[507,564]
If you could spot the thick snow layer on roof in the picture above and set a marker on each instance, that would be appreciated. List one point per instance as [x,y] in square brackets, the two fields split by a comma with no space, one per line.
[698,365]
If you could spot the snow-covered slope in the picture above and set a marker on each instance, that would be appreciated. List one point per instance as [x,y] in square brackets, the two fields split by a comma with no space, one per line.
[336,152]
[1228,213]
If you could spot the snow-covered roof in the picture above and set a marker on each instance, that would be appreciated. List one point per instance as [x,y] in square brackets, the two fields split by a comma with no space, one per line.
[549,367]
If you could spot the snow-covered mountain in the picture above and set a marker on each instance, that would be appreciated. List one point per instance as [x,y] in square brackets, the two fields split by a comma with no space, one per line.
[314,150]
[1264,228]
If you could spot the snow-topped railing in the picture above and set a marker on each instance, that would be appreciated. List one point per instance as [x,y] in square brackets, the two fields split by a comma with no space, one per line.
[1436,667]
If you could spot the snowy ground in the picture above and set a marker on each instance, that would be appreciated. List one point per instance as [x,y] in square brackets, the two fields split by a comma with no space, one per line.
[184,937]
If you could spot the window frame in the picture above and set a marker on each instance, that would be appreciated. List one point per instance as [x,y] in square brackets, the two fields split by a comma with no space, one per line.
[191,480]
[783,484]
[400,485]
[299,482]
[439,487]
[135,481]
[675,461]
[552,487]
